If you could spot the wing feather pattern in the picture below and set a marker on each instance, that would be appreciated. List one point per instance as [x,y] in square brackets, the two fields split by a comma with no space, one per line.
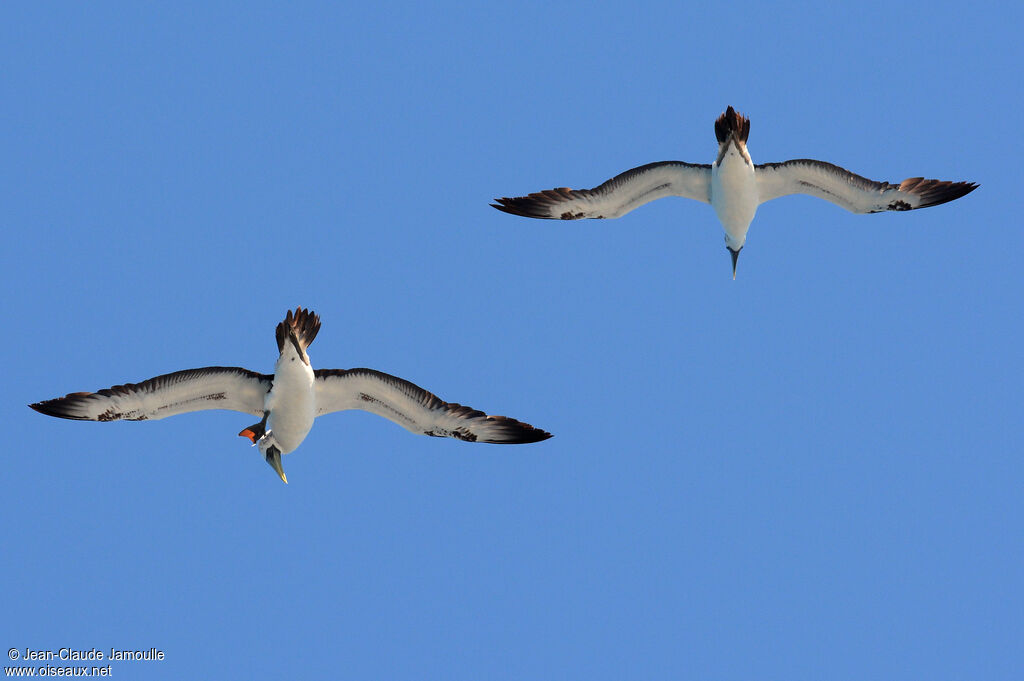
[231,388]
[414,408]
[617,196]
[851,191]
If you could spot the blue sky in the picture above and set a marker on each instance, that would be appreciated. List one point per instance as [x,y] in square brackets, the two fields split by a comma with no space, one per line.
[812,472]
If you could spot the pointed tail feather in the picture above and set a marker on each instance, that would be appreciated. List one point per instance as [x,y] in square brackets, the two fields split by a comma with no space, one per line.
[732,122]
[302,326]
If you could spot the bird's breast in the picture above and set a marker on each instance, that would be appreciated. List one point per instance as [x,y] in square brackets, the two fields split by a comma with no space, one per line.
[734,192]
[292,404]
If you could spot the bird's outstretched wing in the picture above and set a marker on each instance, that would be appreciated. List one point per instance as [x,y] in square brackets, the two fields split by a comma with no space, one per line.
[851,191]
[415,409]
[617,196]
[231,388]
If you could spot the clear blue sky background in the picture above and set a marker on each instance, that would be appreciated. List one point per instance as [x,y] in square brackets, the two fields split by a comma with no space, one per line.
[812,472]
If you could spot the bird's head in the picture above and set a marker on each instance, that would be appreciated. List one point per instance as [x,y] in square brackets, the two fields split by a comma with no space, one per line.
[734,246]
[272,455]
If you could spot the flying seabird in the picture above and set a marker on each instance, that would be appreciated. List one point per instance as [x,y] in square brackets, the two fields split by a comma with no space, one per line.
[734,187]
[289,399]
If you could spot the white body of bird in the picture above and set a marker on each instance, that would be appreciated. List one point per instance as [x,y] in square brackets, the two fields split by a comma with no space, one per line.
[734,193]
[291,402]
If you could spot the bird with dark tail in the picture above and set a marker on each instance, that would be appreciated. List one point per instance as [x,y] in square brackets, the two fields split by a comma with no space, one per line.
[734,187]
[288,400]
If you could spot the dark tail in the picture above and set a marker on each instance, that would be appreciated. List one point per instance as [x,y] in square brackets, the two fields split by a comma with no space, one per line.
[732,122]
[303,327]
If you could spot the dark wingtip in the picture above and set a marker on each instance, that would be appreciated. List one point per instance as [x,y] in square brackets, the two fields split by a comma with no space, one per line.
[506,205]
[531,434]
[527,436]
[540,205]
[936,192]
[518,433]
[59,407]
[532,206]
[542,435]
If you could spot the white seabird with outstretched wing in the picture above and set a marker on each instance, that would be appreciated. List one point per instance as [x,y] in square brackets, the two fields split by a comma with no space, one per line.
[734,186]
[290,399]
